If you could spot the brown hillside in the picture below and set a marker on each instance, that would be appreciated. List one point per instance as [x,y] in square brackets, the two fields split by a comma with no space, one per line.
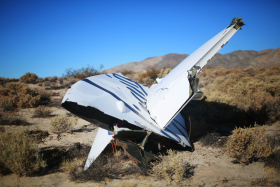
[237,59]
[170,61]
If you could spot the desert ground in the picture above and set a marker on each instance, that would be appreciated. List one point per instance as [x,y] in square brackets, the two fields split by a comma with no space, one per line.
[207,165]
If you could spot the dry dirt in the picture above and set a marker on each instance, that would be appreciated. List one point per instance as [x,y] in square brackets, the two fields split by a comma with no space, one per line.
[210,166]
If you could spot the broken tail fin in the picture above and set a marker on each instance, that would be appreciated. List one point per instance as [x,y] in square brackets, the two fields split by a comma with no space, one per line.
[102,139]
[170,95]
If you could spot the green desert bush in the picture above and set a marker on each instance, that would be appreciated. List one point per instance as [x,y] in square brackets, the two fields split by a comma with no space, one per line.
[246,144]
[62,123]
[17,95]
[29,78]
[19,153]
[171,167]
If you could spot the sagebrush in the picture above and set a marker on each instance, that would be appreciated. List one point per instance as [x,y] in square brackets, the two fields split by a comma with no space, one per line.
[42,111]
[29,78]
[12,118]
[69,166]
[247,144]
[19,153]
[148,77]
[103,167]
[16,95]
[62,123]
[253,90]
[171,167]
[83,72]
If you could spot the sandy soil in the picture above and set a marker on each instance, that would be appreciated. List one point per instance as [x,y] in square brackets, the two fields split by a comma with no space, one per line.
[209,166]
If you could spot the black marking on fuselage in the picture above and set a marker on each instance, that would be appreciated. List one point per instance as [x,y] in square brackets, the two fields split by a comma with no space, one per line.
[119,99]
[128,84]
[174,125]
[184,127]
[169,135]
[127,79]
[134,89]
[136,107]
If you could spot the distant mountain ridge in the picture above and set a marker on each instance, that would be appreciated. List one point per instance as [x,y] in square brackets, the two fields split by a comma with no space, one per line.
[236,59]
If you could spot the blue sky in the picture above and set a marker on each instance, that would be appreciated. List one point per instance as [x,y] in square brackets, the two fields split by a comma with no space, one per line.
[47,36]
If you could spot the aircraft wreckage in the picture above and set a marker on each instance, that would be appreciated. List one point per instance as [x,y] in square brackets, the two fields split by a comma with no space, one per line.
[143,120]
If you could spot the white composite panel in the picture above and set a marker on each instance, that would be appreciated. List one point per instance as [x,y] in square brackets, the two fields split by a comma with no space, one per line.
[163,102]
[102,139]
[117,96]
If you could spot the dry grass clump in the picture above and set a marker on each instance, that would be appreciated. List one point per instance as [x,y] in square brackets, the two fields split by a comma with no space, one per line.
[17,95]
[19,153]
[62,123]
[171,167]
[42,111]
[29,78]
[246,144]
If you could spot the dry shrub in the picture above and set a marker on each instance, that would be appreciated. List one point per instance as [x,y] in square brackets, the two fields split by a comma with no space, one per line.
[147,81]
[103,167]
[82,72]
[68,82]
[11,118]
[17,95]
[46,83]
[62,123]
[273,161]
[253,90]
[38,135]
[126,72]
[211,139]
[69,167]
[53,79]
[165,71]
[29,78]
[4,80]
[265,181]
[171,167]
[246,144]
[45,96]
[151,73]
[19,153]
[42,111]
